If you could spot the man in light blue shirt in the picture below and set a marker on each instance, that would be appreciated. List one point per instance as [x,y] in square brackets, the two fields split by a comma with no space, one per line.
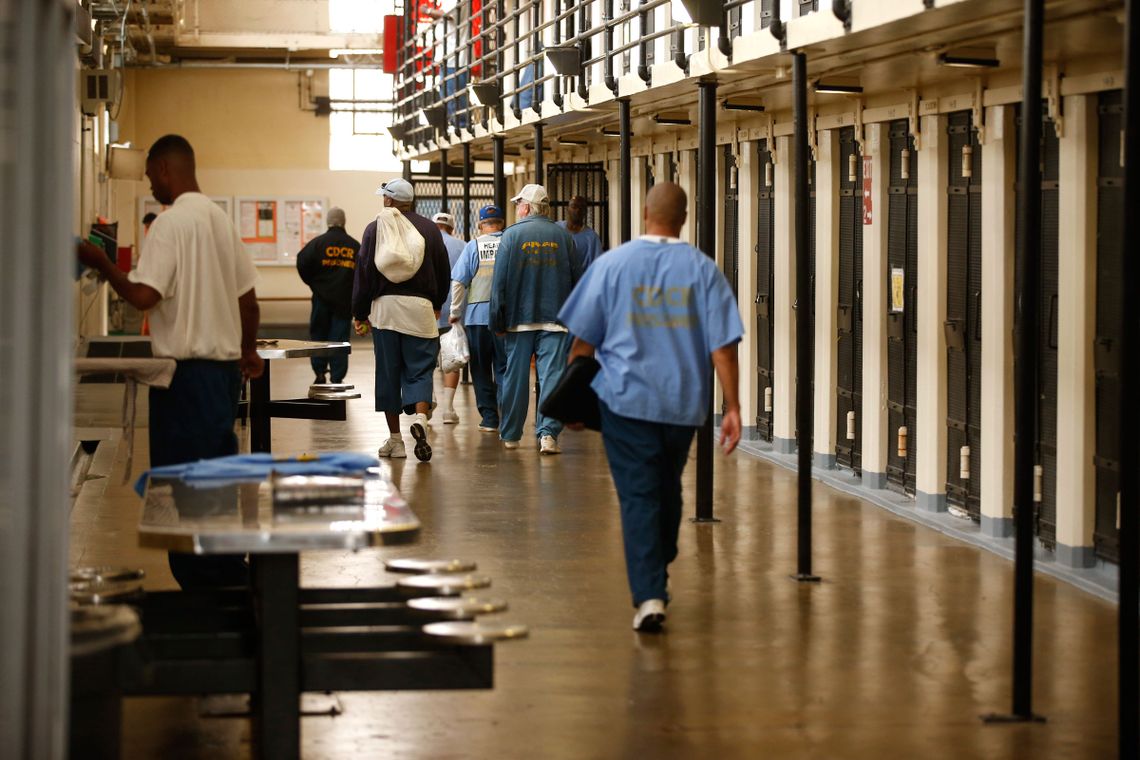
[454,246]
[471,282]
[654,311]
[586,241]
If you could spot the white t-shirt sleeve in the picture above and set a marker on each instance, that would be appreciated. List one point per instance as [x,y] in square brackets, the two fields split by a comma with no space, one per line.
[245,273]
[158,262]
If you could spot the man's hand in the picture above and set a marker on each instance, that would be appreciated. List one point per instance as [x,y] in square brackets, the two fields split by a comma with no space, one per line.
[730,430]
[251,365]
[361,328]
[91,255]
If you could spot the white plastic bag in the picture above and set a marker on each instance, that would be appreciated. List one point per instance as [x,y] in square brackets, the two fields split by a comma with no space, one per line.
[399,246]
[453,351]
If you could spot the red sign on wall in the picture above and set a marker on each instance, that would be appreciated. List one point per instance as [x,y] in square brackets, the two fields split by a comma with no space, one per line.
[866,189]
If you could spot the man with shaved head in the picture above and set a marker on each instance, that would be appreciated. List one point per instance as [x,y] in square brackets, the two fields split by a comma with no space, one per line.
[655,311]
[197,280]
[586,241]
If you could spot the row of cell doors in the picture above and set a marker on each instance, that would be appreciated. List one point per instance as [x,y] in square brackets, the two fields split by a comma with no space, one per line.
[963,316]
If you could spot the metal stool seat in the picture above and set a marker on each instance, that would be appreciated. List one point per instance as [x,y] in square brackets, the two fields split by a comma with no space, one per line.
[475,633]
[458,607]
[448,585]
[331,387]
[429,566]
[318,395]
[105,573]
[85,593]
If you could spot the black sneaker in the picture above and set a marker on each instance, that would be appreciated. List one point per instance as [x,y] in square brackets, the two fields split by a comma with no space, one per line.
[321,379]
[419,433]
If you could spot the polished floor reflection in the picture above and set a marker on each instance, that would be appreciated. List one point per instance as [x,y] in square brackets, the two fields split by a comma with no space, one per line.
[895,654]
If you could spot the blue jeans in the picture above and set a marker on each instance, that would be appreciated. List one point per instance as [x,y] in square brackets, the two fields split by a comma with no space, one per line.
[549,350]
[646,461]
[326,325]
[194,419]
[488,367]
[404,364]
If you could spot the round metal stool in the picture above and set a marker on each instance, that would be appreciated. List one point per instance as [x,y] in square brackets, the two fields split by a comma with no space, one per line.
[475,633]
[105,573]
[86,593]
[429,566]
[458,607]
[447,585]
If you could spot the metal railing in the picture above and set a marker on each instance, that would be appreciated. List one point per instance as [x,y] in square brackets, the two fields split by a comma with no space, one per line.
[469,64]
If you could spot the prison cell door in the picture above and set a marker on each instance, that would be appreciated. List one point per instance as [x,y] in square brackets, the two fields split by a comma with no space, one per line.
[1109,303]
[849,378]
[731,257]
[963,315]
[765,259]
[1045,447]
[564,181]
[902,323]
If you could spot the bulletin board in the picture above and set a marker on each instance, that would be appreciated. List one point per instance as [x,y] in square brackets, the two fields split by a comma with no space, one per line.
[275,228]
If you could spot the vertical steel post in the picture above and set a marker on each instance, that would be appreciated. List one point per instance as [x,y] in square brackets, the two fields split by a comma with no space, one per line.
[467,231]
[706,241]
[406,171]
[626,205]
[500,178]
[444,197]
[1025,342]
[539,156]
[1129,626]
[805,360]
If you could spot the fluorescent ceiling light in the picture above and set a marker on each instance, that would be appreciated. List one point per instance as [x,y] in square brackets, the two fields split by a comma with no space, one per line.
[965,61]
[337,52]
[837,87]
[614,133]
[569,141]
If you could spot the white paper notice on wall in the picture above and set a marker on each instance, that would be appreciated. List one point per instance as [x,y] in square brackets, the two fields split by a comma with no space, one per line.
[898,288]
[301,221]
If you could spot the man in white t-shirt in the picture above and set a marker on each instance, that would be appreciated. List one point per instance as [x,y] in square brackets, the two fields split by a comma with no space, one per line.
[197,280]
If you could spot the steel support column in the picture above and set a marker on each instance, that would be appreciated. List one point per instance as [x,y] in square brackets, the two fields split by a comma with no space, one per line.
[500,178]
[444,198]
[1129,628]
[1026,348]
[539,156]
[805,361]
[467,232]
[407,171]
[706,241]
[626,203]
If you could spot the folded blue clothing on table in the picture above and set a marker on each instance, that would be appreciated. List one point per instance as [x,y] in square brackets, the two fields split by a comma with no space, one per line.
[258,467]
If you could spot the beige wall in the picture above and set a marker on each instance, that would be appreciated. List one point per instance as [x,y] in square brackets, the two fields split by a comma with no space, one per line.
[250,137]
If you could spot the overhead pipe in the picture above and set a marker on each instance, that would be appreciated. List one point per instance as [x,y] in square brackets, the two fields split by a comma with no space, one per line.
[777,28]
[842,11]
[706,241]
[1026,349]
[805,360]
[1128,659]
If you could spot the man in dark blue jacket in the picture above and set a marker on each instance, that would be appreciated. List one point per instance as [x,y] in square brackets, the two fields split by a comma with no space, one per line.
[536,267]
[326,265]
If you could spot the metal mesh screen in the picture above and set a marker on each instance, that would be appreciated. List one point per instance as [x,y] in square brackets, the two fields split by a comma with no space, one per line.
[849,369]
[765,219]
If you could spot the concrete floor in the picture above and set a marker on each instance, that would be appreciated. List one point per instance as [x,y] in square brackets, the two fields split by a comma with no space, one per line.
[895,654]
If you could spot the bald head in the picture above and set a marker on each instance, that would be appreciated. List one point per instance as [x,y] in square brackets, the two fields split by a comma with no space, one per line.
[665,209]
[170,168]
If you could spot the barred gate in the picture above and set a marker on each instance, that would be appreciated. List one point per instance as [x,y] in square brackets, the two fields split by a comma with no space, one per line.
[429,199]
[564,181]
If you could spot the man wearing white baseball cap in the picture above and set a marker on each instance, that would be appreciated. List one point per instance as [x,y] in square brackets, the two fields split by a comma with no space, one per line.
[536,266]
[446,224]
[398,299]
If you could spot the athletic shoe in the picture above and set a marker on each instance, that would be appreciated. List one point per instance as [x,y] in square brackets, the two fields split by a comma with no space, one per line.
[320,379]
[450,417]
[419,432]
[393,448]
[510,444]
[549,445]
[488,428]
[650,616]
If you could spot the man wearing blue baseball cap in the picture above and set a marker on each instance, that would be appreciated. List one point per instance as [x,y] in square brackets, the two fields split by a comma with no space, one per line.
[471,278]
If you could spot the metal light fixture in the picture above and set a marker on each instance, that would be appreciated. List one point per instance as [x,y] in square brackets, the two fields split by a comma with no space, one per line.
[702,12]
[742,105]
[568,141]
[398,131]
[614,133]
[675,119]
[970,58]
[837,87]
[566,59]
[487,94]
[436,117]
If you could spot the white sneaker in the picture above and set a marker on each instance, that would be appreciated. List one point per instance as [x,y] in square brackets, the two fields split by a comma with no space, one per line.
[549,445]
[450,417]
[393,448]
[510,444]
[488,429]
[419,433]
[650,616]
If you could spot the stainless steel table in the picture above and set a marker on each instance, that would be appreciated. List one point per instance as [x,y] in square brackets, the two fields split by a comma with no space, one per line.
[262,409]
[277,640]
